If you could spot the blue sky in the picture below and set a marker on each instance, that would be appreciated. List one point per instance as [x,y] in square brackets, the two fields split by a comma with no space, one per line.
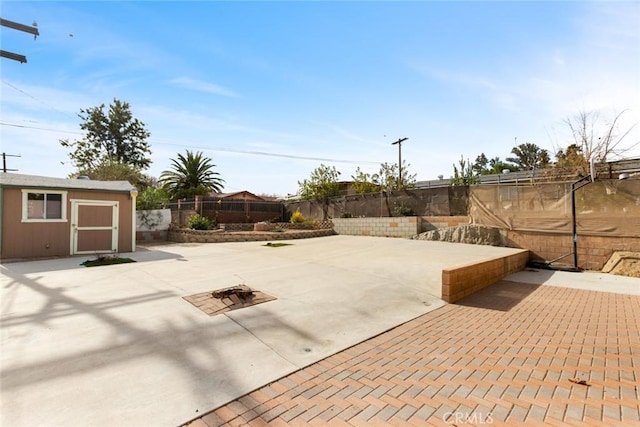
[319,80]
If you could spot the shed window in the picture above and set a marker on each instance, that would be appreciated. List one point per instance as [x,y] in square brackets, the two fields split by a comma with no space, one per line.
[44,205]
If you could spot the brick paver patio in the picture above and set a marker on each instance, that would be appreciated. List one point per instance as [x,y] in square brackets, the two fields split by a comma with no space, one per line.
[510,354]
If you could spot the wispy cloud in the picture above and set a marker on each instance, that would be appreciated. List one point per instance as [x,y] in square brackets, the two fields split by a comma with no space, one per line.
[348,134]
[451,76]
[200,86]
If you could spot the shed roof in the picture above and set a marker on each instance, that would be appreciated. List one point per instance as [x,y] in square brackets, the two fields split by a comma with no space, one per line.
[34,181]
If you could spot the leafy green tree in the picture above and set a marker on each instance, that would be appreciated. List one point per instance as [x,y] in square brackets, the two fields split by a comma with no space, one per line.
[480,165]
[112,170]
[364,182]
[572,157]
[388,177]
[190,175]
[496,166]
[321,185]
[529,156]
[152,198]
[486,166]
[114,134]
[464,175]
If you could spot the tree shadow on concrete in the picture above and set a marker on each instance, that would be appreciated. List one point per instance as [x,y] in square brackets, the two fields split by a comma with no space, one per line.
[190,344]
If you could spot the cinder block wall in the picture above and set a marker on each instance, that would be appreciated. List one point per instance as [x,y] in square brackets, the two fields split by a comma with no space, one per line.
[463,280]
[593,251]
[151,236]
[405,226]
[435,222]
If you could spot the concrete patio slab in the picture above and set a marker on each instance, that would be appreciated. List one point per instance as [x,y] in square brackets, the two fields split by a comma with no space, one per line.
[117,345]
[587,280]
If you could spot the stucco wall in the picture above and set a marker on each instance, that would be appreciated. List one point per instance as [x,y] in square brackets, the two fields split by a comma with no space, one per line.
[152,225]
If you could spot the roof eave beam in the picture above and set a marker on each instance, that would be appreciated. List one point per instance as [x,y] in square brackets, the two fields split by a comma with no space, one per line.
[20,27]
[14,56]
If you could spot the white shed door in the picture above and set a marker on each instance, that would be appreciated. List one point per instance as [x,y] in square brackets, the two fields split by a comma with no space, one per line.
[94,226]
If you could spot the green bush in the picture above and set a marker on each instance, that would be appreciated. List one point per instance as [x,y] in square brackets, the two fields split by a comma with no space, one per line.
[297,217]
[197,222]
[402,210]
[346,215]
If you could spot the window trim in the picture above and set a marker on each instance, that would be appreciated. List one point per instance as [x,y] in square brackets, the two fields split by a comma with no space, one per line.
[25,205]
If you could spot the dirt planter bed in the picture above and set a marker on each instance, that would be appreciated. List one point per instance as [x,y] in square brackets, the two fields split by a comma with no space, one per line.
[218,236]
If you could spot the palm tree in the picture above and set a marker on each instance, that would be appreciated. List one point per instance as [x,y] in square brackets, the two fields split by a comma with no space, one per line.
[191,175]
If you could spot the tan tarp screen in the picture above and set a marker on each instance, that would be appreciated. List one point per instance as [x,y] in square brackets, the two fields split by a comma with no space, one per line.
[603,208]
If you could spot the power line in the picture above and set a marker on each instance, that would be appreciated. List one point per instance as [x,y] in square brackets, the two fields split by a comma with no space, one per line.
[265,153]
[16,125]
[221,149]
[37,99]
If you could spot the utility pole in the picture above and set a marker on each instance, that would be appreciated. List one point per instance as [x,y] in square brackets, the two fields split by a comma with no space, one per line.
[4,162]
[399,144]
[20,27]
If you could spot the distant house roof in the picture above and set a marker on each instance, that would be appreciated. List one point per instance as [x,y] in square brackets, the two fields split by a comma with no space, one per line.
[34,181]
[235,194]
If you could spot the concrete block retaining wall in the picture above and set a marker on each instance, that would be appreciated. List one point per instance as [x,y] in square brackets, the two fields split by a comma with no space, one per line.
[405,226]
[237,226]
[218,236]
[593,251]
[460,281]
[151,236]
[429,223]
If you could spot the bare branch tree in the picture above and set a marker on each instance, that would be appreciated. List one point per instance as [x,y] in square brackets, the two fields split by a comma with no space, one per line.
[599,139]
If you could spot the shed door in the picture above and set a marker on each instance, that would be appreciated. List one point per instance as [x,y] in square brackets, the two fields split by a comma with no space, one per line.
[94,226]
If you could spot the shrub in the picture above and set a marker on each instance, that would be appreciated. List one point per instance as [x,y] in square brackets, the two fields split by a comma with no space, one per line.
[402,210]
[297,217]
[197,222]
[279,229]
[346,215]
[152,198]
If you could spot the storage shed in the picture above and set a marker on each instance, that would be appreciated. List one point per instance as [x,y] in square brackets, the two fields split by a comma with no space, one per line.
[48,217]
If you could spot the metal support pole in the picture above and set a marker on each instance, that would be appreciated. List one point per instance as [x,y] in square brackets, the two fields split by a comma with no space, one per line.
[574,227]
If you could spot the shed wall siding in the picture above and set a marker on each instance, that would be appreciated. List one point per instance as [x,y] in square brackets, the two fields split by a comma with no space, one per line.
[31,239]
[51,239]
